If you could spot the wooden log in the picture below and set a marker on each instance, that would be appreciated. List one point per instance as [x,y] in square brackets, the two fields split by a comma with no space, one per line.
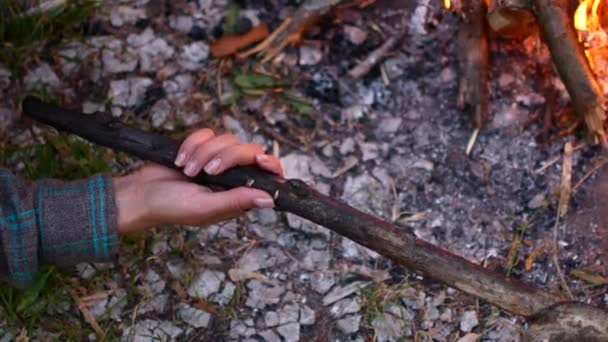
[296,197]
[473,61]
[555,18]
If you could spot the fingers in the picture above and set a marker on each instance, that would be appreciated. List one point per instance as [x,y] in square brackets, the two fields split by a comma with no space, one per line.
[219,206]
[269,163]
[205,155]
[191,143]
[203,150]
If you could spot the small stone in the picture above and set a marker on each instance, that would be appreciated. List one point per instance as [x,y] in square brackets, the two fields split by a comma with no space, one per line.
[5,78]
[235,127]
[347,146]
[446,316]
[470,337]
[310,55]
[388,327]
[468,321]
[85,270]
[181,23]
[297,165]
[194,317]
[290,332]
[354,34]
[226,295]
[89,107]
[262,294]
[289,313]
[269,336]
[139,40]
[126,15]
[537,201]
[152,283]
[317,167]
[505,80]
[176,267]
[129,92]
[345,307]
[447,75]
[267,216]
[206,284]
[321,282]
[389,126]
[349,324]
[147,328]
[42,76]
[328,151]
[369,150]
[261,258]
[152,56]
[307,315]
[423,164]
[238,329]
[115,62]
[393,67]
[271,319]
[316,260]
[157,304]
[193,55]
[160,113]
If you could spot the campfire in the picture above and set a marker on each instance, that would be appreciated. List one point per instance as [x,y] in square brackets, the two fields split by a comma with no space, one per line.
[576,39]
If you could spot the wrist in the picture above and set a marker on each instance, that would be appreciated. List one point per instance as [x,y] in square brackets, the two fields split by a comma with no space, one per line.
[131,211]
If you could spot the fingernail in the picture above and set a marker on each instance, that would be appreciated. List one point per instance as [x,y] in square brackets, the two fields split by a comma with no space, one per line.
[213,166]
[263,202]
[181,159]
[192,168]
[261,158]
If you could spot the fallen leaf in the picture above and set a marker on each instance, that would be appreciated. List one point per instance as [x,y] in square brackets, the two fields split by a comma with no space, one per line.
[237,274]
[231,43]
[256,81]
[530,259]
[593,279]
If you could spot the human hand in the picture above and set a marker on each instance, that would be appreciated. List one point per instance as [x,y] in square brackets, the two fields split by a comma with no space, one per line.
[156,195]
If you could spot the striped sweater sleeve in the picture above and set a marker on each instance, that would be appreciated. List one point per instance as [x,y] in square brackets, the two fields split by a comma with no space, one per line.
[54,222]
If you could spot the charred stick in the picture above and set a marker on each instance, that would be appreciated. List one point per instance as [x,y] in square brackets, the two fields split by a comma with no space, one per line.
[556,24]
[296,197]
[374,57]
[473,61]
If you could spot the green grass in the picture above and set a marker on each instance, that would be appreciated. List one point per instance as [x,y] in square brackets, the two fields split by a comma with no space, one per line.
[23,34]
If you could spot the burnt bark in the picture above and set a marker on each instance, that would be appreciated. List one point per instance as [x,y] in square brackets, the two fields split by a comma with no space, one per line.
[473,61]
[511,18]
[296,197]
[555,18]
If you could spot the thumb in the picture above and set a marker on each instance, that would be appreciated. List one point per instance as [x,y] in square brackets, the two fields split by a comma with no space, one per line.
[237,200]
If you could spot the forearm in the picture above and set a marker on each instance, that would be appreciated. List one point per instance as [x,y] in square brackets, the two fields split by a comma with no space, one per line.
[54,222]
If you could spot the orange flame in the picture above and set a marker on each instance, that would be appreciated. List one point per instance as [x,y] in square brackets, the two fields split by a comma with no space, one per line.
[447,4]
[586,17]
